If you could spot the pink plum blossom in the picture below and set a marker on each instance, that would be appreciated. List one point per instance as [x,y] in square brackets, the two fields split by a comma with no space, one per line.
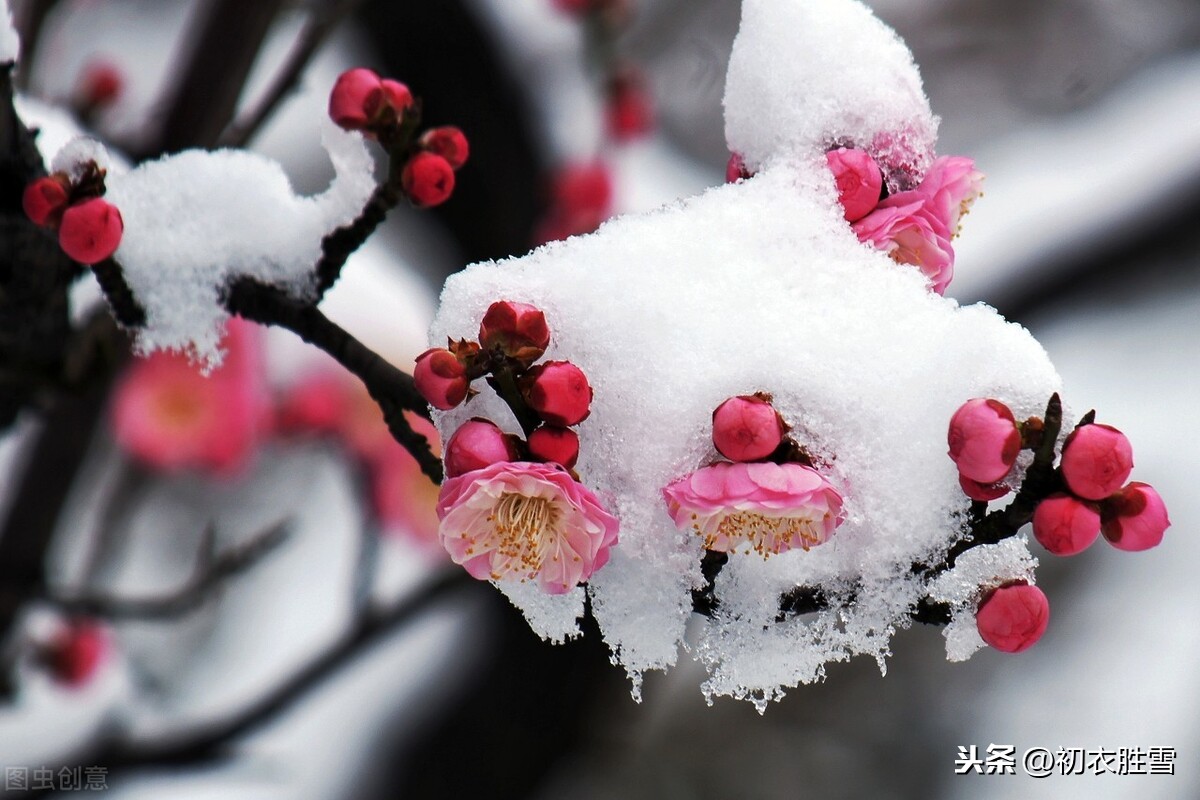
[859,181]
[1013,618]
[1096,460]
[984,440]
[169,415]
[1064,525]
[525,521]
[1135,518]
[774,507]
[746,428]
[952,184]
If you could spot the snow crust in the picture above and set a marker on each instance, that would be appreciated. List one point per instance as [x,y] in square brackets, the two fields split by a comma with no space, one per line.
[808,74]
[762,286]
[196,219]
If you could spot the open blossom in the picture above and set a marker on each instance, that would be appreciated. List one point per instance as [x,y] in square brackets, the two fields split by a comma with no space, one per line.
[171,416]
[525,521]
[774,507]
[916,227]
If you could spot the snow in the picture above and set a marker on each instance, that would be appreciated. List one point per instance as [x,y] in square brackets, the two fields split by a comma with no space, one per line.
[10,43]
[73,156]
[806,74]
[197,219]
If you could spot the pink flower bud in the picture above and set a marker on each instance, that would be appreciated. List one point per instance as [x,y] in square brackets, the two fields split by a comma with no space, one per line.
[859,181]
[449,143]
[392,100]
[516,329]
[45,200]
[1134,518]
[1096,460]
[477,444]
[984,440]
[1064,525]
[348,100]
[1012,618]
[76,653]
[554,444]
[746,428]
[428,179]
[983,492]
[90,231]
[101,84]
[559,392]
[736,170]
[441,378]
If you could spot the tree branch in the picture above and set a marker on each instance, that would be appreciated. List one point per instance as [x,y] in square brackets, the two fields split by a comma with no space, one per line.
[211,574]
[320,24]
[392,389]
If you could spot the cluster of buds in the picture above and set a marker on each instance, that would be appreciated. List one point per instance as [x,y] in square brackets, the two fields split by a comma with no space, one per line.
[913,227]
[385,110]
[89,227]
[513,508]
[1087,495]
[768,494]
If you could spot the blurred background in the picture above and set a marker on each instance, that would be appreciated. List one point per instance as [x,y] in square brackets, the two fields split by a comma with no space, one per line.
[343,663]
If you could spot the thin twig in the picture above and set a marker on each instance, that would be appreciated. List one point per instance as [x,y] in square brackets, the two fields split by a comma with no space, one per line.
[319,25]
[212,573]
[392,389]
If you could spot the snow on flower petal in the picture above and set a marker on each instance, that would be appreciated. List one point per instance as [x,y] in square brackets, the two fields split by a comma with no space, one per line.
[525,521]
[773,507]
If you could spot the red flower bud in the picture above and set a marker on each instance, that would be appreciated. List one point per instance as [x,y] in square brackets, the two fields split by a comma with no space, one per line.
[552,443]
[1064,525]
[984,440]
[580,199]
[90,231]
[348,100]
[736,169]
[100,85]
[1135,518]
[859,181]
[746,428]
[44,200]
[390,103]
[1096,460]
[440,378]
[477,444]
[984,492]
[516,329]
[1012,618]
[629,111]
[428,179]
[76,653]
[559,392]
[447,142]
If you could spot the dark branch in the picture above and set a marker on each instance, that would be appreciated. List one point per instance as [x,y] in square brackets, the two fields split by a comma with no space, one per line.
[229,37]
[125,306]
[392,389]
[337,247]
[320,24]
[212,573]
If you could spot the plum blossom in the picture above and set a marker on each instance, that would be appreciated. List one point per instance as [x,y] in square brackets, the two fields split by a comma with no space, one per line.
[525,521]
[773,507]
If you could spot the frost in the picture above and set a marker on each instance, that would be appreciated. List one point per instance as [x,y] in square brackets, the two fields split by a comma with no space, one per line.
[805,74]
[10,42]
[77,153]
[196,219]
[976,571]
[762,286]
